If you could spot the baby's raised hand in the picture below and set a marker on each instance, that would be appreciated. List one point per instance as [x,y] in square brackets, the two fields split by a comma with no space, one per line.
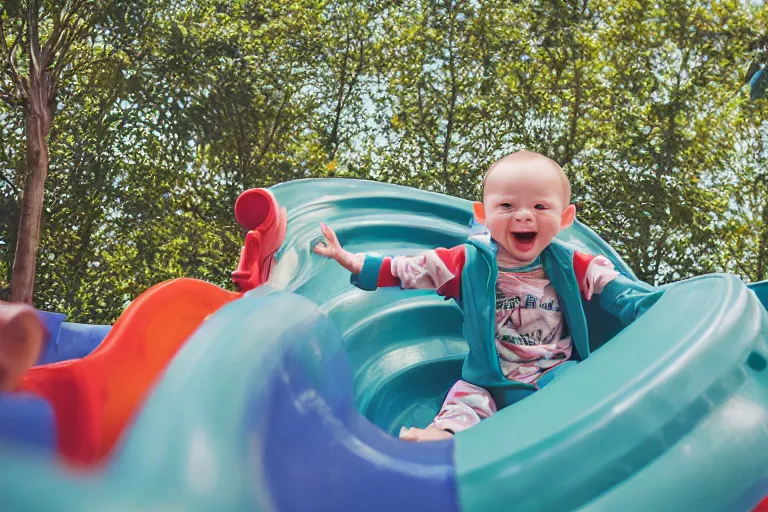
[332,249]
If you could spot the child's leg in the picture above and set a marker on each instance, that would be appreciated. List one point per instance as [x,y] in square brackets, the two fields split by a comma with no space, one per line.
[21,339]
[464,406]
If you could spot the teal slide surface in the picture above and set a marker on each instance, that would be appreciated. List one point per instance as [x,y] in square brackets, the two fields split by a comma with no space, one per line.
[288,399]
[670,414]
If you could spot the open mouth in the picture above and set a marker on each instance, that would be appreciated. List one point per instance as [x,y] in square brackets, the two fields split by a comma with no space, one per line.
[524,240]
[526,236]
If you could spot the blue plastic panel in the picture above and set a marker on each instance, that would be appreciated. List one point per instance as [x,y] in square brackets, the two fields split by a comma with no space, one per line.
[69,340]
[27,421]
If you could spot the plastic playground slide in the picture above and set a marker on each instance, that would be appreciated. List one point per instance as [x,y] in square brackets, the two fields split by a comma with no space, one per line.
[288,398]
[93,398]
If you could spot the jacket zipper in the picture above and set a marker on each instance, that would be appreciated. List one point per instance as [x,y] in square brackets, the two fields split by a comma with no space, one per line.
[491,287]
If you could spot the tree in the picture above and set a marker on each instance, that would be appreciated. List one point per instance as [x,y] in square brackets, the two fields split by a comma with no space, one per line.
[743,246]
[168,113]
[655,175]
[36,41]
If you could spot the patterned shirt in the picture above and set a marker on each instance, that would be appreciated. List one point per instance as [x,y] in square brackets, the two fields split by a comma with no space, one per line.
[529,324]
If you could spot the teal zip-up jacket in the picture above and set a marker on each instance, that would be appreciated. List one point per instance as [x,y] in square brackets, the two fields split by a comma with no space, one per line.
[623,297]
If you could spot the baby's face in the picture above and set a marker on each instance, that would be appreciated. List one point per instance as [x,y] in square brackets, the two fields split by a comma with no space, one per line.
[525,207]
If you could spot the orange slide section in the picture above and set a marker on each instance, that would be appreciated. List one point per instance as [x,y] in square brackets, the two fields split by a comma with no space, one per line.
[94,398]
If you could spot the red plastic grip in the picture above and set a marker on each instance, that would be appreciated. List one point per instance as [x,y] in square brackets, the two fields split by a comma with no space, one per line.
[258,211]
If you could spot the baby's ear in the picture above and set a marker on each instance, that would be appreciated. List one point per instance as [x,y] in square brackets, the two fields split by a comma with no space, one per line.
[479,210]
[569,215]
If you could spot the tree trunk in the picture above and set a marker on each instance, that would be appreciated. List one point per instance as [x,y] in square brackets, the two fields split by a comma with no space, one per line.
[38,115]
[449,189]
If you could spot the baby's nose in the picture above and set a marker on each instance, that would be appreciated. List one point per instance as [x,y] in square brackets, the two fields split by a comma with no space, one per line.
[524,215]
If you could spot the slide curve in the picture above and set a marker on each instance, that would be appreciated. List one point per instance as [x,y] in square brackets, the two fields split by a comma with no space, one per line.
[284,399]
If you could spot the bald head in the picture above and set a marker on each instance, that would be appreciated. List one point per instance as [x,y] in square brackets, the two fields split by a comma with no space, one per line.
[524,158]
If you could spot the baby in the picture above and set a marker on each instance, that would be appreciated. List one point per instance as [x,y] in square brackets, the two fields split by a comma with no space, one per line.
[514,266]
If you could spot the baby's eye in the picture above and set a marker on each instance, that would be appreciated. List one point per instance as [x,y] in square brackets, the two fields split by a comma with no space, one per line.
[506,206]
[540,207]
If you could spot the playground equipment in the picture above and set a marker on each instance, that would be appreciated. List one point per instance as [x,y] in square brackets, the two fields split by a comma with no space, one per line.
[287,396]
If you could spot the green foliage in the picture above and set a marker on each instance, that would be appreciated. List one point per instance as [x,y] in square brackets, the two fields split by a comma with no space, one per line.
[12,164]
[171,109]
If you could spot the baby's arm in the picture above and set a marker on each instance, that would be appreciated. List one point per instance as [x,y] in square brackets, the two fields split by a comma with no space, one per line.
[628,299]
[333,250]
[439,269]
[593,273]
[625,298]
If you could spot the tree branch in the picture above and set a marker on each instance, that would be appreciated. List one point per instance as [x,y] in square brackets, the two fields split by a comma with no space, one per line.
[70,31]
[273,130]
[738,258]
[9,182]
[54,39]
[570,151]
[451,101]
[33,20]
[18,79]
[4,45]
[334,143]
[64,60]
